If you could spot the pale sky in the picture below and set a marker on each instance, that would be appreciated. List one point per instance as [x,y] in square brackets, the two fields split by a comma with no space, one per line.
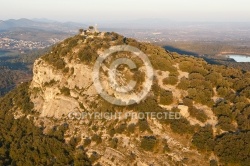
[114,10]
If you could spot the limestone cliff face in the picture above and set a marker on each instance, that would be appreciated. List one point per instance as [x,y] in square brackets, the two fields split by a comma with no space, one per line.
[61,90]
[49,100]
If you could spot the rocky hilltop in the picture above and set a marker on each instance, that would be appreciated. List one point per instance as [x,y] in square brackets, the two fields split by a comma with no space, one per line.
[212,101]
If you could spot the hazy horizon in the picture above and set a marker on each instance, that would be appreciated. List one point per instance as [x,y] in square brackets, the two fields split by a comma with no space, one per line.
[114,11]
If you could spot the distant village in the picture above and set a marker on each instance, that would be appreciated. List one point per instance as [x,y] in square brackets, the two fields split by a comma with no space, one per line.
[21,45]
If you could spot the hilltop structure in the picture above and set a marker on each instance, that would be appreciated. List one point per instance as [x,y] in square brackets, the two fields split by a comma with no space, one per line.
[90,30]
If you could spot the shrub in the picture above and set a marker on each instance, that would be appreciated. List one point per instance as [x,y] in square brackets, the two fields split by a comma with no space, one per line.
[165,146]
[60,64]
[166,97]
[131,128]
[172,80]
[213,163]
[96,138]
[143,125]
[50,83]
[181,126]
[65,91]
[121,128]
[64,51]
[87,141]
[84,55]
[114,143]
[148,143]
[196,76]
[94,128]
[223,91]
[183,84]
[66,70]
[73,43]
[198,114]
[225,123]
[203,96]
[188,102]
[94,157]
[112,132]
[203,139]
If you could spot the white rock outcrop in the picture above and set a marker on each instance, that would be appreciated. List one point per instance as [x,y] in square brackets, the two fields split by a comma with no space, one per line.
[49,101]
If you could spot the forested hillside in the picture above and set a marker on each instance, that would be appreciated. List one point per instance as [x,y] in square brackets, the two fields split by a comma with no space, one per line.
[214,128]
